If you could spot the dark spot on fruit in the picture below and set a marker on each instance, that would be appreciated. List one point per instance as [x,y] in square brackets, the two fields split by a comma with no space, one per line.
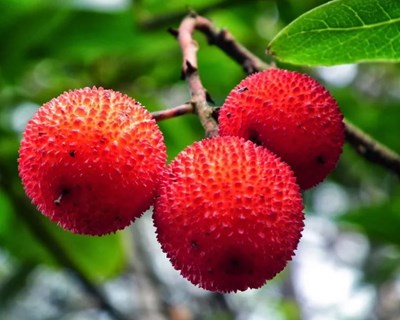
[207,233]
[320,159]
[233,266]
[194,244]
[40,133]
[242,89]
[255,137]
[236,263]
[72,153]
[102,140]
[228,115]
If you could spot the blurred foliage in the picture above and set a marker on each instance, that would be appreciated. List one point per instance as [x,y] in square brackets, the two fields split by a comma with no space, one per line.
[379,221]
[88,252]
[52,46]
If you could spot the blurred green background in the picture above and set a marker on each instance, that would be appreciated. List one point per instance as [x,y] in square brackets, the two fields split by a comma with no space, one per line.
[347,265]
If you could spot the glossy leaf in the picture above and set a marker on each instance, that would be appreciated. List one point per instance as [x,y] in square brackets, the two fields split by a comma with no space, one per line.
[342,31]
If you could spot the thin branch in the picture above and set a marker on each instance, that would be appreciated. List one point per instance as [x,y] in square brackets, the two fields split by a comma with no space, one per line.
[199,97]
[365,145]
[173,112]
[371,149]
[227,43]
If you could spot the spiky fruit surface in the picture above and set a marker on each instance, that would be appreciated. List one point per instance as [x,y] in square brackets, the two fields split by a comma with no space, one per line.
[229,214]
[292,115]
[90,160]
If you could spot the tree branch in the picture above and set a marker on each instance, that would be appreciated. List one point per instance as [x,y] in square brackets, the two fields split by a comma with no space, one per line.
[371,149]
[199,97]
[173,112]
[365,145]
[227,43]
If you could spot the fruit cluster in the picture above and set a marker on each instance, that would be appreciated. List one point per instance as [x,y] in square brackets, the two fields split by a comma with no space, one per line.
[228,210]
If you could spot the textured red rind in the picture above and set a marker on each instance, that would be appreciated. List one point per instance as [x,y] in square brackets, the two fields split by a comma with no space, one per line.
[228,214]
[292,115]
[90,160]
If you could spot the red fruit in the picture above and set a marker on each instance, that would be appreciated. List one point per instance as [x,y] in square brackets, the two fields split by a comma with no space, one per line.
[90,160]
[229,214]
[292,115]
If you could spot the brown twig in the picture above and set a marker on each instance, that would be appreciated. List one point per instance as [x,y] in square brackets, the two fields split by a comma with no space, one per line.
[365,145]
[173,112]
[199,97]
[371,149]
[224,40]
[227,43]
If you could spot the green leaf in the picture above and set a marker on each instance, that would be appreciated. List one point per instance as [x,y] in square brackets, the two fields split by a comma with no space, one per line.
[98,257]
[342,31]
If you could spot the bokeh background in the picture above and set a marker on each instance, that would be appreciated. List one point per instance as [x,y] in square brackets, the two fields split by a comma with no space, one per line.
[347,264]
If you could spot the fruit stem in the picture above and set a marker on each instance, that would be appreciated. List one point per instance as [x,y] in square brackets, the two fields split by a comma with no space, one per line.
[173,112]
[199,96]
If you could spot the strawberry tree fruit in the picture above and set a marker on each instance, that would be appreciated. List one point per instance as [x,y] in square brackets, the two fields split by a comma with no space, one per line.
[293,116]
[90,160]
[228,214]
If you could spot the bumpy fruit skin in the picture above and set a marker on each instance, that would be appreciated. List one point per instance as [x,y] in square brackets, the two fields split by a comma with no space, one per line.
[229,214]
[292,115]
[90,160]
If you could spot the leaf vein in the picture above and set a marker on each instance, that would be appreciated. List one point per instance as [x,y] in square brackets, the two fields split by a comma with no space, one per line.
[366,27]
[383,10]
[355,14]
